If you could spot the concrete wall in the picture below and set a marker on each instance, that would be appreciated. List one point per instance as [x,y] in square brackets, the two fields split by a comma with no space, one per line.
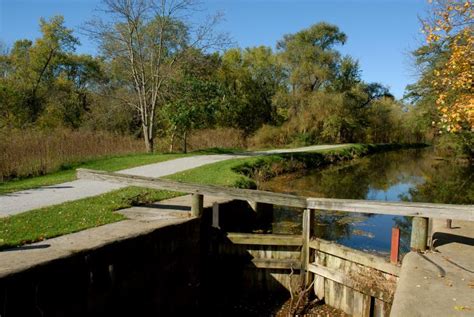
[147,275]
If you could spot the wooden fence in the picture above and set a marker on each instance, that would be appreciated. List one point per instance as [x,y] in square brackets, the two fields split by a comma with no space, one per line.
[358,283]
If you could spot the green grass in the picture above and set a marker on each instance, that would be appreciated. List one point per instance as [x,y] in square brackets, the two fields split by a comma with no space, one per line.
[237,172]
[223,173]
[73,216]
[68,172]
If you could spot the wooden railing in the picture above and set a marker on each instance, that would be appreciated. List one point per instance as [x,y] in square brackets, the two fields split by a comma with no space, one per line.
[442,211]
[311,264]
[419,211]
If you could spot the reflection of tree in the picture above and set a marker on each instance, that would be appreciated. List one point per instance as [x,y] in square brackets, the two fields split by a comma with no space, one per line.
[434,181]
[404,223]
[330,227]
[448,183]
[354,179]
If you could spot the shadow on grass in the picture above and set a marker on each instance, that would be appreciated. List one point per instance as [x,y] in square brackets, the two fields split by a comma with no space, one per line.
[23,247]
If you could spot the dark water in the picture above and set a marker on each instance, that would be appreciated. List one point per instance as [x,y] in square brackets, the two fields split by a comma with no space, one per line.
[408,175]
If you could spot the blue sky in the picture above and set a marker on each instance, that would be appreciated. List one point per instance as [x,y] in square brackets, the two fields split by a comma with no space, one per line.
[381,33]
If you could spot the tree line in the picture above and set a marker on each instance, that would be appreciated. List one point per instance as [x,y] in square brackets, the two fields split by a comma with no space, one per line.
[159,77]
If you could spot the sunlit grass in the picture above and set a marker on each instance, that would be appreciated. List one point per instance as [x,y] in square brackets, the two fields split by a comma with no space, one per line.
[69,217]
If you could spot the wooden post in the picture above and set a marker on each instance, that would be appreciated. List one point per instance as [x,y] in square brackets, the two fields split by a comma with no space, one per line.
[197,205]
[449,223]
[419,234]
[215,215]
[308,223]
[263,212]
[395,247]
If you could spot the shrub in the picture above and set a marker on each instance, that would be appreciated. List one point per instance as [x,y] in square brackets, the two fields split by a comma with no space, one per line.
[460,145]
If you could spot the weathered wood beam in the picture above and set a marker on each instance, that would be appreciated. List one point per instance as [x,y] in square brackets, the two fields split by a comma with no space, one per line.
[368,288]
[219,191]
[442,211]
[355,256]
[308,223]
[265,239]
[276,264]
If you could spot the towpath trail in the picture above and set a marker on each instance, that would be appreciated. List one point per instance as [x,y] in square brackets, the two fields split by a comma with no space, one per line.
[25,200]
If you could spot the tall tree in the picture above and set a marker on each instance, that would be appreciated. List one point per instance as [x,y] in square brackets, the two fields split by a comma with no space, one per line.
[450,26]
[145,40]
[31,69]
[310,57]
[252,77]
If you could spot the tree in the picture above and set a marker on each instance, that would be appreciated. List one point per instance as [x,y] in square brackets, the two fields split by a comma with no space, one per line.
[144,41]
[450,28]
[197,96]
[30,71]
[309,55]
[251,77]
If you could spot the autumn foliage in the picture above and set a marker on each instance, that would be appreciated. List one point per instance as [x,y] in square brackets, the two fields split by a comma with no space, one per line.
[450,26]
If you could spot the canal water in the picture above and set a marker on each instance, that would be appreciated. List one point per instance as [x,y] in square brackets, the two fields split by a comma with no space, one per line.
[405,175]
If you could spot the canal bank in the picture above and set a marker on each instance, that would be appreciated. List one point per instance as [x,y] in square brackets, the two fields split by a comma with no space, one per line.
[138,267]
[166,261]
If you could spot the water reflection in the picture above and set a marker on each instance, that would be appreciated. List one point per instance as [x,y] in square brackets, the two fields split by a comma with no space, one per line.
[410,175]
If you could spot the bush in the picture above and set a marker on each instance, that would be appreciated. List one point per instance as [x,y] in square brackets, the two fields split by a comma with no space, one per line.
[460,145]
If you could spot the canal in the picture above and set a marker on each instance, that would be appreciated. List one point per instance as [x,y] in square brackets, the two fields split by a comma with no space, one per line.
[409,175]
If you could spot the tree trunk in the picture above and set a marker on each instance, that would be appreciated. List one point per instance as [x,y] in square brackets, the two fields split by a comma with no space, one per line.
[185,141]
[172,143]
[149,146]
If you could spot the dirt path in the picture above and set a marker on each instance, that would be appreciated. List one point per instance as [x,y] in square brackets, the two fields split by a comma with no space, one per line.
[18,202]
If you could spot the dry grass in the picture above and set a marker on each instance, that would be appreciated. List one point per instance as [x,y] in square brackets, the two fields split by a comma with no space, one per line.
[32,153]
[217,138]
[269,136]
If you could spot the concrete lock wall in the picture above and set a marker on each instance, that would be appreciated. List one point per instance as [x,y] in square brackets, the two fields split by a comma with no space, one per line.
[153,274]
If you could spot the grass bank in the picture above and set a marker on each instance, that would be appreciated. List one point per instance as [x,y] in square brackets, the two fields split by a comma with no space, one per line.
[69,217]
[248,172]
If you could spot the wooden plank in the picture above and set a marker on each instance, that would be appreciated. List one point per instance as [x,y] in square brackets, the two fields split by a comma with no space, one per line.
[265,239]
[277,264]
[443,211]
[342,279]
[219,191]
[356,256]
[361,305]
[308,220]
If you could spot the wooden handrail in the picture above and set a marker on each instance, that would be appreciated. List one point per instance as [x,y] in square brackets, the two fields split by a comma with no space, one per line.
[442,211]
[212,190]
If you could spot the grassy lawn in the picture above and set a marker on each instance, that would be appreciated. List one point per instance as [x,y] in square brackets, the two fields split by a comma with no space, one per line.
[68,173]
[73,216]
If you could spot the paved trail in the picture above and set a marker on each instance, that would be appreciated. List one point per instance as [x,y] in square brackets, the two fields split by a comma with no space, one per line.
[18,202]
